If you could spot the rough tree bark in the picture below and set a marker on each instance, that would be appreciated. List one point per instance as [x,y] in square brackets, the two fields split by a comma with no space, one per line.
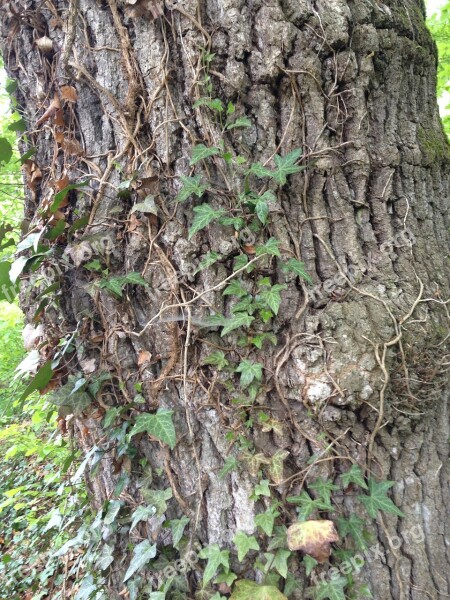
[358,371]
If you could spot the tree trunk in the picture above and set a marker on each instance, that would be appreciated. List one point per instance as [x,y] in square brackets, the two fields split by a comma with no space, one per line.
[358,370]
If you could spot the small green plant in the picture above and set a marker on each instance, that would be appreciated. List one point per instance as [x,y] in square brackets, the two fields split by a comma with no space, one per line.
[273,549]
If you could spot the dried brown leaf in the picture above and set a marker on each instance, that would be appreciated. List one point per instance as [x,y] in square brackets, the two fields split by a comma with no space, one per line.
[69,93]
[144,8]
[59,118]
[55,104]
[72,147]
[144,357]
[62,183]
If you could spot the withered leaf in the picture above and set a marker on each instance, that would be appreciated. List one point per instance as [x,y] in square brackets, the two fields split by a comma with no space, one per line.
[140,8]
[44,44]
[59,137]
[313,538]
[72,147]
[69,93]
[79,252]
[144,357]
[88,365]
[59,118]
[62,183]
[55,104]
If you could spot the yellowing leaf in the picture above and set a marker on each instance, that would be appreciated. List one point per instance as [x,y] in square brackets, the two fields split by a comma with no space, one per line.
[313,538]
[275,469]
[249,590]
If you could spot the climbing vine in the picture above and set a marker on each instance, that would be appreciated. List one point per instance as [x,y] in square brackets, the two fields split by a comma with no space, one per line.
[236,202]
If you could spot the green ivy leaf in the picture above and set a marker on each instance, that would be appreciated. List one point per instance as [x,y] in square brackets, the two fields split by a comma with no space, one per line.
[354,475]
[17,268]
[231,464]
[285,165]
[214,321]
[295,266]
[363,591]
[241,122]
[191,185]
[86,588]
[310,564]
[209,259]
[331,589]
[324,487]
[262,489]
[262,211]
[177,527]
[215,104]
[56,231]
[270,247]
[249,371]
[259,339]
[240,261]
[60,196]
[204,215]
[147,206]
[159,425]
[378,500]
[201,152]
[217,359]
[353,526]
[272,297]
[306,505]
[259,170]
[124,188]
[216,558]
[142,553]
[266,520]
[236,322]
[142,513]
[249,590]
[114,507]
[278,538]
[28,154]
[265,315]
[237,222]
[39,381]
[227,578]
[244,543]
[244,305]
[105,558]
[158,499]
[115,285]
[280,561]
[235,289]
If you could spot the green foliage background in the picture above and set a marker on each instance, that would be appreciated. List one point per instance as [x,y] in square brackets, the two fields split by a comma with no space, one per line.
[439,25]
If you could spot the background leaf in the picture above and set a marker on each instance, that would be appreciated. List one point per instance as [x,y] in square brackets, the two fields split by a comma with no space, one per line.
[142,553]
